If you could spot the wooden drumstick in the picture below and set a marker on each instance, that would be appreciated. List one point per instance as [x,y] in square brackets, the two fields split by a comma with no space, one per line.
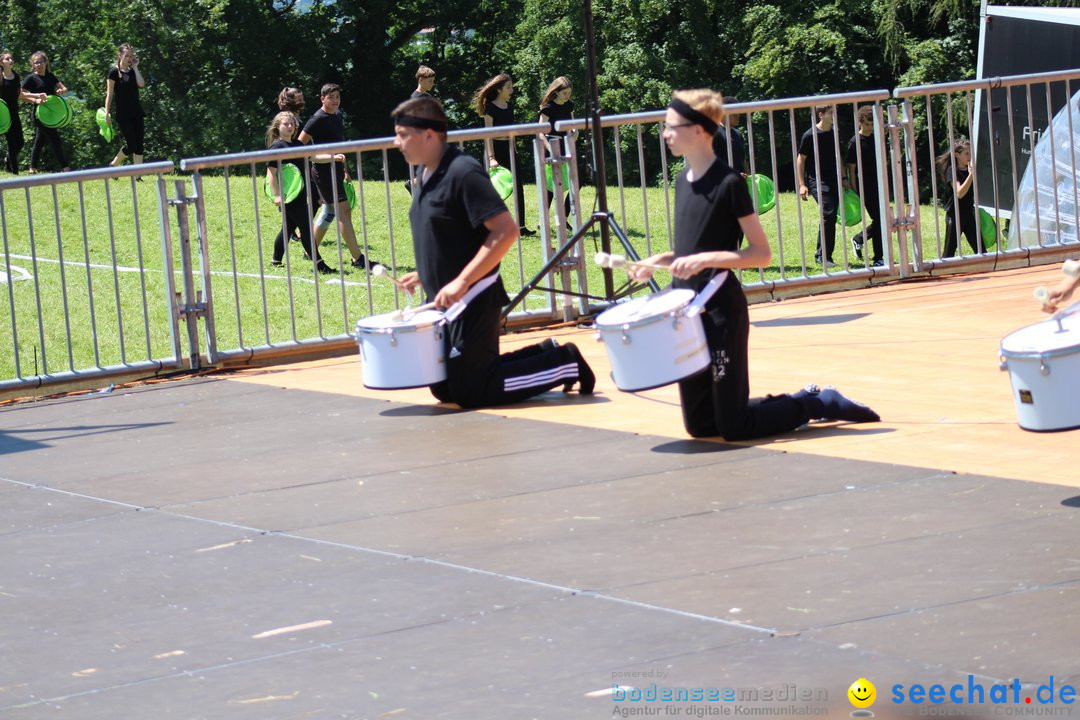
[608,260]
[400,314]
[381,271]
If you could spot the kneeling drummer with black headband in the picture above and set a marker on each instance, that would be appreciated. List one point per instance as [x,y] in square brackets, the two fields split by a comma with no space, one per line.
[461,231]
[713,210]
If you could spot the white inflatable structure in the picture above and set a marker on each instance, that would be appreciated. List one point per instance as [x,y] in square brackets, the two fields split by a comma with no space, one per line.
[1046,215]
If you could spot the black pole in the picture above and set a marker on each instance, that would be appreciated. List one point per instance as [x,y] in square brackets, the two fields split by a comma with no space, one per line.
[598,147]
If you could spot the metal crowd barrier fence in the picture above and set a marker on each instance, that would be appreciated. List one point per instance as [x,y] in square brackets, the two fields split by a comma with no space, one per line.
[87,297]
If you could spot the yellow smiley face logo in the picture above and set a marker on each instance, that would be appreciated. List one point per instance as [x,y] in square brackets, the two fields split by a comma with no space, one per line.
[862,693]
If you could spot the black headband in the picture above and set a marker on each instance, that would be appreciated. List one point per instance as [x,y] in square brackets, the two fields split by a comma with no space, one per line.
[419,122]
[694,116]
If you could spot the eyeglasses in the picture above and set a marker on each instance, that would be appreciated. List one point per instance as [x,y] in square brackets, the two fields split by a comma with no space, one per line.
[674,126]
[38,62]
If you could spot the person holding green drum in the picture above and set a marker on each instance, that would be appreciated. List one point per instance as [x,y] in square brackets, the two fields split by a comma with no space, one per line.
[42,82]
[556,105]
[11,91]
[861,147]
[282,134]
[123,83]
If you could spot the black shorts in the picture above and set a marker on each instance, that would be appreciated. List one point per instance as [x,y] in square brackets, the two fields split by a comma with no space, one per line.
[325,176]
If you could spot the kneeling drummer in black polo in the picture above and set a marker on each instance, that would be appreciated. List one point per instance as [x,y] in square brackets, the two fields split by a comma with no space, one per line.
[461,231]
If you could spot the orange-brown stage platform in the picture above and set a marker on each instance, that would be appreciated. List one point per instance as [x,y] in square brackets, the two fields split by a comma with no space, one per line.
[282,543]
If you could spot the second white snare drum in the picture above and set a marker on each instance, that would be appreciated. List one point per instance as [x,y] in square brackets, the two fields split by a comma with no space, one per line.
[1043,361]
[653,341]
[402,353]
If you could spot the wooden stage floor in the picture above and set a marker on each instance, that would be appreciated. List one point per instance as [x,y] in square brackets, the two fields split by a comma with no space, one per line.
[281,543]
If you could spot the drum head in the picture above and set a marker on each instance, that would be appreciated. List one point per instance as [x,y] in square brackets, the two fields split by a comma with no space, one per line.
[290,181]
[644,308]
[413,321]
[765,198]
[851,207]
[53,112]
[988,229]
[503,181]
[1043,337]
[350,195]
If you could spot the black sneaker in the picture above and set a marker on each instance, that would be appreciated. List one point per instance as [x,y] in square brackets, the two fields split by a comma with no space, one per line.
[856,245]
[325,269]
[525,232]
[276,263]
[586,379]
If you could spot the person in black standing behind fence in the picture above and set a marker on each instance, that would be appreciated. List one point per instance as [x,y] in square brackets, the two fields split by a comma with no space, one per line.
[556,105]
[868,187]
[729,129]
[492,102]
[461,231]
[282,134]
[123,83]
[713,210]
[41,80]
[958,172]
[11,92]
[425,81]
[817,174]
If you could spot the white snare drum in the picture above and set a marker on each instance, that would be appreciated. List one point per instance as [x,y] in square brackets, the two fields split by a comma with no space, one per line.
[1043,361]
[403,353]
[653,341]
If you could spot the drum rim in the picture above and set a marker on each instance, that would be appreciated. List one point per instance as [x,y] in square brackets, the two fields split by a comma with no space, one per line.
[1040,354]
[650,318]
[406,327]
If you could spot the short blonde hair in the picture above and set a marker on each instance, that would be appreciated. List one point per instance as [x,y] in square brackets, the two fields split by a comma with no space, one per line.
[707,102]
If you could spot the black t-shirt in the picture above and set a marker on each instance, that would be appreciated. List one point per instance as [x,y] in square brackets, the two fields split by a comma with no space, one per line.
[9,93]
[869,162]
[826,147]
[126,88]
[46,83]
[419,93]
[707,213]
[325,128]
[967,202]
[554,112]
[501,116]
[738,147]
[447,217]
[283,143]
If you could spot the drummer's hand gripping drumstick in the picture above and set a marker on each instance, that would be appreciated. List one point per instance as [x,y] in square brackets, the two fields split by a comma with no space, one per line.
[1070,268]
[381,271]
[608,260]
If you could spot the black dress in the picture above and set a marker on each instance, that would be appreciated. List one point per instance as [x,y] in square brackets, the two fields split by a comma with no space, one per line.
[9,92]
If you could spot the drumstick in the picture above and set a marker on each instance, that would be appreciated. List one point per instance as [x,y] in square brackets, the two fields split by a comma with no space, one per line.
[381,271]
[608,260]
[1042,294]
[399,314]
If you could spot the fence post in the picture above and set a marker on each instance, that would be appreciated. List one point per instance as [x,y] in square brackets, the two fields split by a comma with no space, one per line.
[191,304]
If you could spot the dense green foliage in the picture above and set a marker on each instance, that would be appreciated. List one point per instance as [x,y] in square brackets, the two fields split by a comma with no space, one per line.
[214,67]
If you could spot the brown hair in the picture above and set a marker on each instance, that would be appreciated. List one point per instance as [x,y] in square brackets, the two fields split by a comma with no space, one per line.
[121,50]
[329,88]
[424,72]
[42,55]
[273,132]
[488,92]
[291,99]
[557,85]
[866,112]
[944,160]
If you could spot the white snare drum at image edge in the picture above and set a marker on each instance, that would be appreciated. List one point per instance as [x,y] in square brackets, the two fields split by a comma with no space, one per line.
[1043,361]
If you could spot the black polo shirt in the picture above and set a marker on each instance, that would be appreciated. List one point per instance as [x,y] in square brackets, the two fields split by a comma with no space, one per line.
[447,216]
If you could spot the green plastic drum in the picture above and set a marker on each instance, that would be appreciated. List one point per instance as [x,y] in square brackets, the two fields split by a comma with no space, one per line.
[988,230]
[5,118]
[851,207]
[53,113]
[551,178]
[70,113]
[350,195]
[503,181]
[762,186]
[290,181]
[105,129]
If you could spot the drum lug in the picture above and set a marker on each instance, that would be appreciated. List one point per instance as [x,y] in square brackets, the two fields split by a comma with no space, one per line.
[675,317]
[1044,369]
[393,339]
[599,336]
[625,334]
[1004,364]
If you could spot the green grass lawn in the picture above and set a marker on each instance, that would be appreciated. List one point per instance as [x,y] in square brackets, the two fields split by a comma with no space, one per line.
[116,314]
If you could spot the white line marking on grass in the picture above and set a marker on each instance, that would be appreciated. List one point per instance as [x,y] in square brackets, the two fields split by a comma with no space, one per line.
[19,274]
[219,273]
